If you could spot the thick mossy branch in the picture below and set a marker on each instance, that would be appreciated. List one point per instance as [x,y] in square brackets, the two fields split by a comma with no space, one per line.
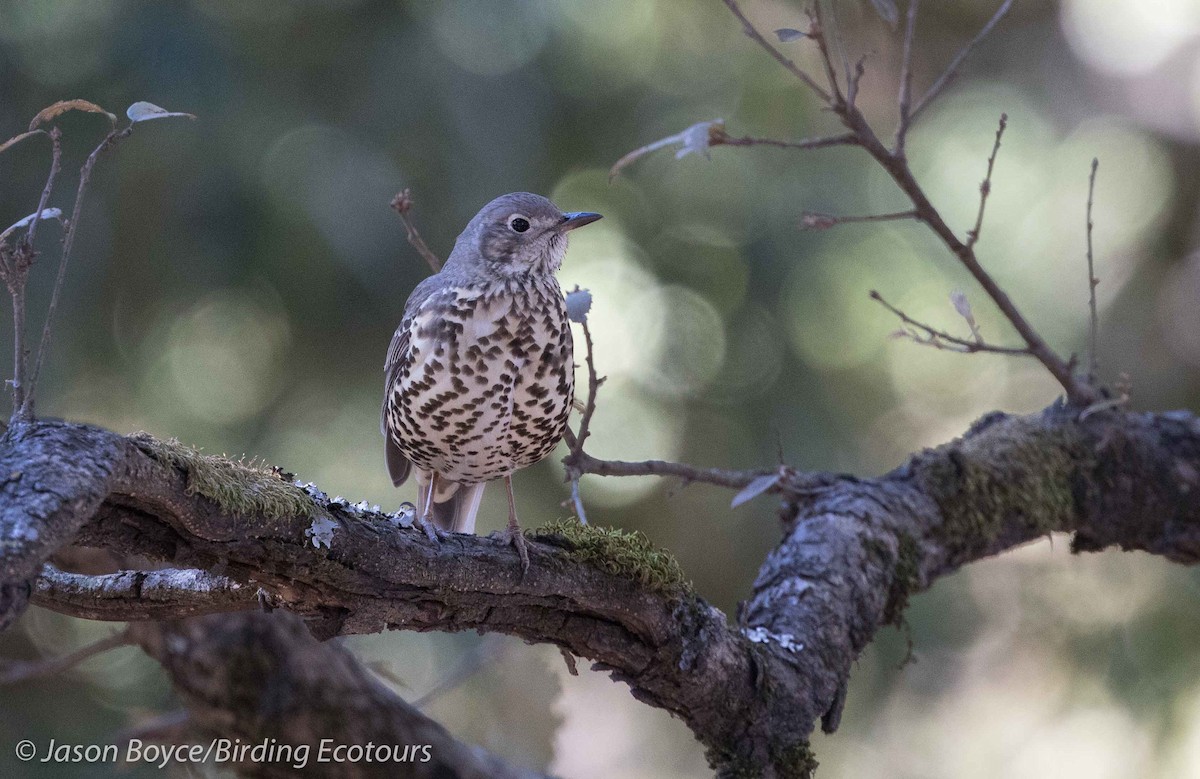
[1005,472]
[242,488]
[628,554]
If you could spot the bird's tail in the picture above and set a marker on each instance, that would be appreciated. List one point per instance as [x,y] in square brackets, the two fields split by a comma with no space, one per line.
[454,505]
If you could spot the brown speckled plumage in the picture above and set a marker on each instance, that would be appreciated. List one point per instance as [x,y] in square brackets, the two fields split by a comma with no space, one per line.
[480,373]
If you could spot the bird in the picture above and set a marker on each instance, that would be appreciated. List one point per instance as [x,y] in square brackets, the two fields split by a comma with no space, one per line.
[479,376]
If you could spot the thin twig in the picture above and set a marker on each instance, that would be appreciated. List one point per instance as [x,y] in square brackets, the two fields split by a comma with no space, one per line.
[402,204]
[842,139]
[905,98]
[25,671]
[840,41]
[55,158]
[1093,330]
[817,33]
[812,220]
[20,277]
[753,33]
[952,71]
[940,339]
[580,514]
[594,382]
[985,188]
[85,175]
[689,473]
[1079,393]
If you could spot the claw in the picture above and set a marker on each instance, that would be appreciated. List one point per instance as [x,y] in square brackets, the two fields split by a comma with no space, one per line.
[513,535]
[432,531]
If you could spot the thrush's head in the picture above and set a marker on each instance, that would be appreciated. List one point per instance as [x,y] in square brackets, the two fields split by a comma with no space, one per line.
[518,233]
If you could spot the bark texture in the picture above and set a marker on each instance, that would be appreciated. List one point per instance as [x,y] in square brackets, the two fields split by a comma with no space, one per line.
[852,552]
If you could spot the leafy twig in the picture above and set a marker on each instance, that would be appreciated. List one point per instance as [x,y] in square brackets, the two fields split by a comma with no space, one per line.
[753,33]
[940,339]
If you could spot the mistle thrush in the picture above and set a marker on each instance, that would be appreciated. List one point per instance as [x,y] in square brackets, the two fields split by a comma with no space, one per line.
[480,373]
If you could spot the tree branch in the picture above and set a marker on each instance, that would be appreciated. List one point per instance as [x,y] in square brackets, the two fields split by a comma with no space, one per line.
[1112,478]
[259,677]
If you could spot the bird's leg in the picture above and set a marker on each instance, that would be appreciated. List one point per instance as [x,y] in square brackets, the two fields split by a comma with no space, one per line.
[513,531]
[425,520]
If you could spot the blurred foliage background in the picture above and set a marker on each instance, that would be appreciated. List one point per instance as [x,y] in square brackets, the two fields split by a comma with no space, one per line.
[237,279]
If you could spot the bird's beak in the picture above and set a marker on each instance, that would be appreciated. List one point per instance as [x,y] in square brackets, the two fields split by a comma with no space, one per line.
[575,219]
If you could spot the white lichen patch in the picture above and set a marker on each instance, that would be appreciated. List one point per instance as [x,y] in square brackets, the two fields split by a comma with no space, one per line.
[761,635]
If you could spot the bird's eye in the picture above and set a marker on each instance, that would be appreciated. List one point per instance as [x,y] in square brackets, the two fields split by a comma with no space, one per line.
[519,224]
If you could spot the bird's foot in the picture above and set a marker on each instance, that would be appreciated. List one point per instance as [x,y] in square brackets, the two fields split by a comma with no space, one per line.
[514,535]
[432,531]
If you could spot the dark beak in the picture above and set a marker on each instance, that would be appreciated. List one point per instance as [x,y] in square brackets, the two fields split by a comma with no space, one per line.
[575,219]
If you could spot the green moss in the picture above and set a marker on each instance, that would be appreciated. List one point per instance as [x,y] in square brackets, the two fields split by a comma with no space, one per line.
[906,578]
[238,486]
[1018,469]
[631,555]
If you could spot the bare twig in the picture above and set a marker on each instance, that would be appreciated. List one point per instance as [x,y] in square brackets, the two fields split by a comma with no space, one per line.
[402,203]
[753,33]
[812,220]
[985,188]
[55,158]
[817,33]
[1094,323]
[951,72]
[26,671]
[940,339]
[576,440]
[822,142]
[85,175]
[905,98]
[840,41]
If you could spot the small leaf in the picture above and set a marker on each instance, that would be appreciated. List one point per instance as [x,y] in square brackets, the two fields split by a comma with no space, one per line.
[787,34]
[49,213]
[13,141]
[579,303]
[697,138]
[142,111]
[755,488]
[887,11]
[62,106]
[963,307]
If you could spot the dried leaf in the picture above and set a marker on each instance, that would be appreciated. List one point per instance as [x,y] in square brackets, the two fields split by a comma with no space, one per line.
[811,220]
[579,303]
[142,111]
[755,488]
[13,141]
[963,306]
[62,106]
[49,213]
[695,139]
[887,11]
[787,34]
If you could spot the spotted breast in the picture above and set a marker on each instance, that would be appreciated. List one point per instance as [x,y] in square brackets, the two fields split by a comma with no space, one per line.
[486,386]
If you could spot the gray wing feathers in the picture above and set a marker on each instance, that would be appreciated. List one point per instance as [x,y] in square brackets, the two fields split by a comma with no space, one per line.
[398,465]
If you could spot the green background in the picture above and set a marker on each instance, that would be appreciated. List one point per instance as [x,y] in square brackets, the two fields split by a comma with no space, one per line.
[237,279]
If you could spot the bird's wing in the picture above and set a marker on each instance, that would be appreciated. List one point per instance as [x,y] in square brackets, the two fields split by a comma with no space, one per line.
[399,465]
